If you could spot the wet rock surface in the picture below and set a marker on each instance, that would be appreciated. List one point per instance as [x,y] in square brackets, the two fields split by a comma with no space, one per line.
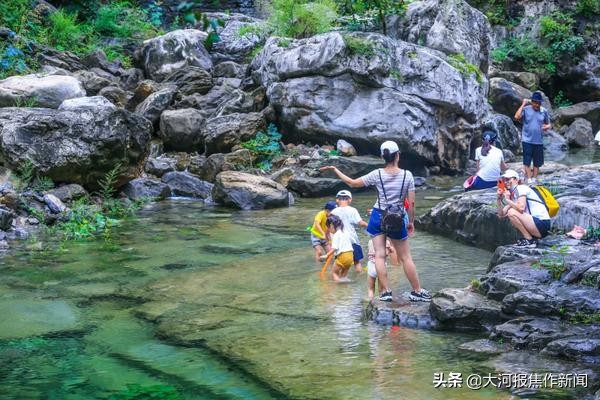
[246,191]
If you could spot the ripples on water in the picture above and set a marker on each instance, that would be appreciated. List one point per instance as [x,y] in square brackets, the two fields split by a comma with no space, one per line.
[241,290]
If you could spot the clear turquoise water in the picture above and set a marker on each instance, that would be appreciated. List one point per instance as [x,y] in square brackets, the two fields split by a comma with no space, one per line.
[209,303]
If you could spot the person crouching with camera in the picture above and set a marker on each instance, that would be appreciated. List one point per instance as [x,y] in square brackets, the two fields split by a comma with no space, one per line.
[394,185]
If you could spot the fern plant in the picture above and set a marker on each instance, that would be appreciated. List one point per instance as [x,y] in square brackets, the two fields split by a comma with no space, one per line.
[107,184]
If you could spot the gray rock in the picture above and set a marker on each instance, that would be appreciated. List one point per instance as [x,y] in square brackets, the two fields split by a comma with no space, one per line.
[70,192]
[506,97]
[315,187]
[401,313]
[587,110]
[345,148]
[218,162]
[97,59]
[175,50]
[451,26]
[92,82]
[187,185]
[47,91]
[580,133]
[243,102]
[465,310]
[153,106]
[159,166]
[351,166]
[130,78]
[55,205]
[6,218]
[222,93]
[182,129]
[534,333]
[146,188]
[141,92]
[528,80]
[86,103]
[190,80]
[59,59]
[115,95]
[322,92]
[77,146]
[222,133]
[229,69]
[232,46]
[580,81]
[248,192]
[512,277]
[583,349]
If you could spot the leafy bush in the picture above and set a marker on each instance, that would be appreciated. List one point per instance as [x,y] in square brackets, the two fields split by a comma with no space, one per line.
[585,318]
[265,146]
[588,8]
[561,100]
[553,261]
[459,62]
[533,56]
[301,19]
[122,20]
[358,46]
[375,9]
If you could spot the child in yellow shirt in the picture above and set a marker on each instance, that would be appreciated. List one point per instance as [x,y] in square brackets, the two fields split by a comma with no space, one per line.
[319,237]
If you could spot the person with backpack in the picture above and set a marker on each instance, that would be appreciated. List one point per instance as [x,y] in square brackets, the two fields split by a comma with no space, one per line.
[490,163]
[535,121]
[393,185]
[524,208]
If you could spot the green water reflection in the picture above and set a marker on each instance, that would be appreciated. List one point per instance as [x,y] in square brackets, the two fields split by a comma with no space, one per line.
[220,304]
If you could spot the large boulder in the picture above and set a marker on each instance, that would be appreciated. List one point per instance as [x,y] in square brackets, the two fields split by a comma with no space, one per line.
[246,191]
[190,80]
[224,91]
[182,129]
[506,97]
[323,88]
[78,145]
[232,46]
[451,26]
[175,50]
[187,185]
[146,188]
[224,132]
[528,80]
[587,110]
[581,82]
[579,133]
[44,90]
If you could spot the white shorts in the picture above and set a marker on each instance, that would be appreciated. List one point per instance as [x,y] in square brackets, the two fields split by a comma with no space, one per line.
[371,271]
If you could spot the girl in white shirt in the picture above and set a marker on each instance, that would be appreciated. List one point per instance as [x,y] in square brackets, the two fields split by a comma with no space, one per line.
[490,163]
[341,245]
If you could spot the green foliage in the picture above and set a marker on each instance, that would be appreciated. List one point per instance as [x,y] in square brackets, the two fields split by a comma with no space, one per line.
[66,33]
[496,11]
[459,62]
[117,53]
[475,284]
[585,318]
[397,75]
[533,56]
[553,261]
[590,280]
[84,221]
[377,9]
[258,29]
[561,100]
[108,182]
[255,52]
[123,20]
[358,46]
[284,42]
[191,15]
[42,184]
[25,174]
[265,146]
[588,8]
[155,392]
[301,18]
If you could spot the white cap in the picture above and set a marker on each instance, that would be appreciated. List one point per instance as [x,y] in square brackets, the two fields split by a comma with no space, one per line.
[391,146]
[344,193]
[510,173]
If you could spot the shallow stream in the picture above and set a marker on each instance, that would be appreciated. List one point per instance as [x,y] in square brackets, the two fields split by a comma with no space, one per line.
[209,303]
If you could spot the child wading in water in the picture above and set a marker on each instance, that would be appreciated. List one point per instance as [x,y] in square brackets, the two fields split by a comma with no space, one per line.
[318,231]
[341,245]
[350,217]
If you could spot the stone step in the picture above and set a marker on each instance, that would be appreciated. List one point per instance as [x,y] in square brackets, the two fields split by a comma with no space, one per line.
[401,312]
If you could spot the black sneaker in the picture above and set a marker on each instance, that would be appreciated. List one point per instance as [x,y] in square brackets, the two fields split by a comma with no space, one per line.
[386,296]
[531,243]
[522,243]
[422,295]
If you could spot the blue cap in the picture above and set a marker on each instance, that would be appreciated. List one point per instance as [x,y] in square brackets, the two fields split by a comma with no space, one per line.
[537,96]
[330,205]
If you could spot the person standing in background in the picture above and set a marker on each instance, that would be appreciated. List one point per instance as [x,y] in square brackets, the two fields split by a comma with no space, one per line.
[535,121]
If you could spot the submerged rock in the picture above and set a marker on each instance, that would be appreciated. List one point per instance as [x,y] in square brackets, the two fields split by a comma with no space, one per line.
[245,191]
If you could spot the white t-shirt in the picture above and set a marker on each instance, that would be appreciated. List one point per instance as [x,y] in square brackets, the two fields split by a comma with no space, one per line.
[489,166]
[341,242]
[534,205]
[350,217]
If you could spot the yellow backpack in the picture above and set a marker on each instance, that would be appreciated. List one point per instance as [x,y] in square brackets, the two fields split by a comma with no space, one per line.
[547,199]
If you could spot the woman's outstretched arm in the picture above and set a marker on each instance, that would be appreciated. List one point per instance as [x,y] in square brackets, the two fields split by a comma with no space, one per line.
[353,183]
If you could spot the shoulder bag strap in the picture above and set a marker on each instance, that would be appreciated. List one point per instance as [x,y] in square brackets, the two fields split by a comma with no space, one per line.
[383,188]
